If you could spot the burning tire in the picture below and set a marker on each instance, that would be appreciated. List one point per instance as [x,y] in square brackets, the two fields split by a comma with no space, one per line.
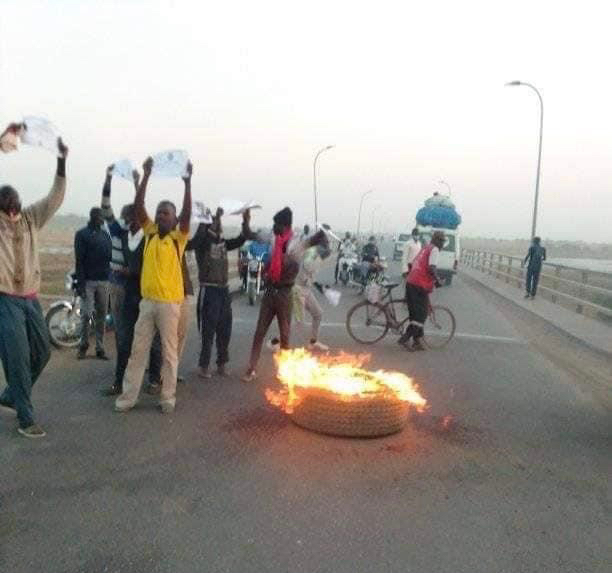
[336,395]
[323,412]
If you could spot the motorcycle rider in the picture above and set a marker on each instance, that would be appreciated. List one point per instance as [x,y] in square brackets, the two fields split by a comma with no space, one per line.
[344,249]
[369,252]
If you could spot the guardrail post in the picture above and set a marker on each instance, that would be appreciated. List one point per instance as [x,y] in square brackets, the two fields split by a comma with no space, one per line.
[582,291]
[509,270]
[556,283]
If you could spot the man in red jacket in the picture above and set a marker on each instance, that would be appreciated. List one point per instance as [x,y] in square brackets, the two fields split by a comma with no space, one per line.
[419,283]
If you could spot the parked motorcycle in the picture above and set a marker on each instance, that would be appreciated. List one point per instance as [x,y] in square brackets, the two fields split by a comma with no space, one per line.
[255,282]
[64,317]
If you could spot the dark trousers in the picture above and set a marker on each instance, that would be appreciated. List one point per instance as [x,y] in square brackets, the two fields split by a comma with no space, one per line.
[531,283]
[24,350]
[215,312]
[275,302]
[125,336]
[417,299]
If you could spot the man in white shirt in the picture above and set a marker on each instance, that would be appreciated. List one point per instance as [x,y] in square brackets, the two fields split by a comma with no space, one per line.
[411,250]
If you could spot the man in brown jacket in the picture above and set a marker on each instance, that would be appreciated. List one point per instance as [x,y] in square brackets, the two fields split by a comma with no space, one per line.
[24,339]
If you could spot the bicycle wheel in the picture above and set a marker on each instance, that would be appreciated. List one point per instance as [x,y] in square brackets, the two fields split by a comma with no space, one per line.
[397,311]
[439,327]
[367,323]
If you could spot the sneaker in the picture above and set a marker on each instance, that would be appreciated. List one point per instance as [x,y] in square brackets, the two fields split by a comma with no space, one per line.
[166,408]
[204,373]
[33,431]
[7,405]
[527,295]
[222,371]
[82,353]
[316,345]
[113,390]
[273,344]
[101,355]
[417,345]
[122,408]
[153,388]
[250,376]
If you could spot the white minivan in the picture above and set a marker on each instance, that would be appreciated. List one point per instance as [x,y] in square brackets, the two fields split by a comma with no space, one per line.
[450,253]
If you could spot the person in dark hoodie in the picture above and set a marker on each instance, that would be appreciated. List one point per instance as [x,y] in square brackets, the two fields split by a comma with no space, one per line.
[281,272]
[92,253]
[214,309]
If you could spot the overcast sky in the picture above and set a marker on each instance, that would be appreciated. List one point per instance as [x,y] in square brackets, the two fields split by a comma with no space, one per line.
[409,93]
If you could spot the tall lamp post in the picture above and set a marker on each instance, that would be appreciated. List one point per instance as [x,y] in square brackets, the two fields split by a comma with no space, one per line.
[360,206]
[314,182]
[537,186]
[442,182]
[374,213]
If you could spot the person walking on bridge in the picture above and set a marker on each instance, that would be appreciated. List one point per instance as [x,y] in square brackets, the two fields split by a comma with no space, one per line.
[534,259]
[162,292]
[24,338]
[420,283]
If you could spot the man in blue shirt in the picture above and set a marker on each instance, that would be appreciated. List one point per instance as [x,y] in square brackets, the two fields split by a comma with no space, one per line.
[535,257]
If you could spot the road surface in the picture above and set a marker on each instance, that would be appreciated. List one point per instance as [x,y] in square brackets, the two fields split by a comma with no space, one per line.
[517,481]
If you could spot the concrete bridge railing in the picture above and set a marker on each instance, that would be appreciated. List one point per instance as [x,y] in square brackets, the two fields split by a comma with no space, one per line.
[587,292]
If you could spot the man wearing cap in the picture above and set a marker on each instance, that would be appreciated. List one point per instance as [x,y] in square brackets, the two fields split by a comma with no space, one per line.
[420,283]
[281,272]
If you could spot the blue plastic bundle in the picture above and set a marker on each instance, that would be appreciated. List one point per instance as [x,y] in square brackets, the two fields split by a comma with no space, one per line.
[438,216]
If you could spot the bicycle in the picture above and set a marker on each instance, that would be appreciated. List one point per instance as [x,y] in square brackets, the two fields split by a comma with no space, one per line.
[368,322]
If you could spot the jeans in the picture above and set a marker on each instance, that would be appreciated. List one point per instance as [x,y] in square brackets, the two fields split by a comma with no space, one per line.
[124,334]
[216,316]
[95,303]
[117,296]
[531,283]
[275,302]
[163,316]
[24,350]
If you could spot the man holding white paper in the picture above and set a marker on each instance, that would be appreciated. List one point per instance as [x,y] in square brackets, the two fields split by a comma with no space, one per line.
[24,337]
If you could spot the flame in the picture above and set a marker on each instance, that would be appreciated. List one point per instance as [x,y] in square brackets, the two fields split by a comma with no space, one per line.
[343,375]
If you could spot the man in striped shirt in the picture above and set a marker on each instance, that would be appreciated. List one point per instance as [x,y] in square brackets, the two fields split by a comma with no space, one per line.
[118,231]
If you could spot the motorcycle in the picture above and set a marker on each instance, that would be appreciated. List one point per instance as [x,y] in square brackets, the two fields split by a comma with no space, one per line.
[254,278]
[64,317]
[365,273]
[345,268]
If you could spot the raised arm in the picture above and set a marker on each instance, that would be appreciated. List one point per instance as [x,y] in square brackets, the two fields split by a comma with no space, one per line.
[140,211]
[185,216]
[107,210]
[245,235]
[45,208]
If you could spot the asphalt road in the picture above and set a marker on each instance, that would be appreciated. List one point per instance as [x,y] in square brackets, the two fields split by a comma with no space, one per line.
[518,481]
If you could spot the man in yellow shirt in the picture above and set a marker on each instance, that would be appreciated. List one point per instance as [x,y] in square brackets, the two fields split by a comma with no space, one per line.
[161,285]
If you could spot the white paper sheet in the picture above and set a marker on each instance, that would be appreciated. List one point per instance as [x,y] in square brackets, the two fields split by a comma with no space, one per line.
[39,132]
[235,207]
[171,163]
[332,296]
[123,168]
[201,213]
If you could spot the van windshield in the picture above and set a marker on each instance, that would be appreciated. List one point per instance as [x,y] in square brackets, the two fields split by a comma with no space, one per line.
[449,244]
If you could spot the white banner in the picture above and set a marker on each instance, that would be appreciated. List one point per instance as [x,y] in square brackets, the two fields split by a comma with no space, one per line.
[39,132]
[172,163]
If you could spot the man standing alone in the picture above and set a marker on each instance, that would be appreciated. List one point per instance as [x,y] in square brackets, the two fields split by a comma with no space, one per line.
[92,252]
[535,257]
[24,338]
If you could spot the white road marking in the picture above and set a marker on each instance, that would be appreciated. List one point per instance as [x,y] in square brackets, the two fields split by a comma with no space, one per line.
[465,335]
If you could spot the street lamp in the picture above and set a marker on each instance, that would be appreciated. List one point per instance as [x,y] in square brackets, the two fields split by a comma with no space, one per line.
[314,179]
[442,182]
[537,186]
[360,206]
[374,213]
